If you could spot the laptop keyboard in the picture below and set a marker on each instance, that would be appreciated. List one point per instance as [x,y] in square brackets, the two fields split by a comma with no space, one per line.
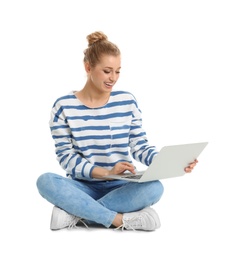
[133,177]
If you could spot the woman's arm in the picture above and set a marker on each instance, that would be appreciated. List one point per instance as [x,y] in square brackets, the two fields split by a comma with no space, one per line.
[68,157]
[139,145]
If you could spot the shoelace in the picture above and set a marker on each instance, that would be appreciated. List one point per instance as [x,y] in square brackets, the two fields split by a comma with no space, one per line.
[121,227]
[127,224]
[75,221]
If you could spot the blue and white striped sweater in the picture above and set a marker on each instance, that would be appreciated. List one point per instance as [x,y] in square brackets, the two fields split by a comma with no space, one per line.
[86,137]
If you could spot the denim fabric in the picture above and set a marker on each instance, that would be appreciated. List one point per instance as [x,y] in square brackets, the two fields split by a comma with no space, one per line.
[98,201]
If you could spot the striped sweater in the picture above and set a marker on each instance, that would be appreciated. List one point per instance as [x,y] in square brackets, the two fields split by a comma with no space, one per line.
[89,137]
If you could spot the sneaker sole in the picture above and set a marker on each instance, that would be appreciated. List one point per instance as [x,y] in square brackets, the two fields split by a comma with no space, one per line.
[54,218]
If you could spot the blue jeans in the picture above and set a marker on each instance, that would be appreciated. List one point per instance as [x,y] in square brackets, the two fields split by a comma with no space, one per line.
[98,201]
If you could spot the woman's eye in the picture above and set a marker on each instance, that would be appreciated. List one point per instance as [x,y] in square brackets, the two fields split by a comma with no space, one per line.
[106,71]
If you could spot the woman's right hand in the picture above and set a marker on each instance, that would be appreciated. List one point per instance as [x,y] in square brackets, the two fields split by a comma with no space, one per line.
[121,167]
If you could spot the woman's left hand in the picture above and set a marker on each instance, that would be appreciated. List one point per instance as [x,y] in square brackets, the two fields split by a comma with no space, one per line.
[190,167]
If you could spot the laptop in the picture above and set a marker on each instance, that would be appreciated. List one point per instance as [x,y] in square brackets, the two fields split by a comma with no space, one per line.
[168,163]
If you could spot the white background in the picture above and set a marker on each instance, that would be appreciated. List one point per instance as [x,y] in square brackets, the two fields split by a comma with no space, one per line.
[177,59]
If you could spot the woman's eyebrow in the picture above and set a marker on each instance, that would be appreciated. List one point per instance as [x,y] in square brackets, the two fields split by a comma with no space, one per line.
[111,68]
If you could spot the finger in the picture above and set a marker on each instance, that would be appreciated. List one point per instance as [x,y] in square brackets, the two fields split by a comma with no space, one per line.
[192,165]
[128,164]
[188,169]
[125,167]
[131,169]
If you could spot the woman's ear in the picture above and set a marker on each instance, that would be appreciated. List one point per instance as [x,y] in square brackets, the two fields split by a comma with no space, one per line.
[87,67]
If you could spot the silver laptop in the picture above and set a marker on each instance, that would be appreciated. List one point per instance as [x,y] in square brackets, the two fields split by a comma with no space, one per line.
[168,163]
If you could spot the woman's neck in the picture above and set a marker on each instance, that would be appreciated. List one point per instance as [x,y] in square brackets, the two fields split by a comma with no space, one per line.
[92,98]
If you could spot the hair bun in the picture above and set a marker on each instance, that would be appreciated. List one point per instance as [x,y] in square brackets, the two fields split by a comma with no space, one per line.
[95,37]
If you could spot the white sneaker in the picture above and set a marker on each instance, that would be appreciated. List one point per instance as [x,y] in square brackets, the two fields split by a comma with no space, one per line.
[146,219]
[61,219]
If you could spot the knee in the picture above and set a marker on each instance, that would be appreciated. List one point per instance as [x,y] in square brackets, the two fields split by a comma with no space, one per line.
[43,181]
[156,190]
[159,187]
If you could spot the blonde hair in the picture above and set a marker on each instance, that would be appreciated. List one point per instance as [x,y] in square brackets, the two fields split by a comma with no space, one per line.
[99,45]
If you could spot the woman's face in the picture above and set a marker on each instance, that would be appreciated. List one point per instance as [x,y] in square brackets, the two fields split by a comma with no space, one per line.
[105,74]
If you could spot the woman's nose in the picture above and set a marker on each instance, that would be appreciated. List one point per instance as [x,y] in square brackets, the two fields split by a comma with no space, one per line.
[113,77]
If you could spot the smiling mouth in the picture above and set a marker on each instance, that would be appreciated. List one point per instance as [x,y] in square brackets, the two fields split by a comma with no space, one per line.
[109,85]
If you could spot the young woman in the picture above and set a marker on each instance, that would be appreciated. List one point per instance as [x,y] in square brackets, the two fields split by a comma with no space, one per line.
[96,131]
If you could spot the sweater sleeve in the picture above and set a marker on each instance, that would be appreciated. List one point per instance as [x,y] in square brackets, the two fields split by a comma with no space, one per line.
[70,160]
[139,145]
